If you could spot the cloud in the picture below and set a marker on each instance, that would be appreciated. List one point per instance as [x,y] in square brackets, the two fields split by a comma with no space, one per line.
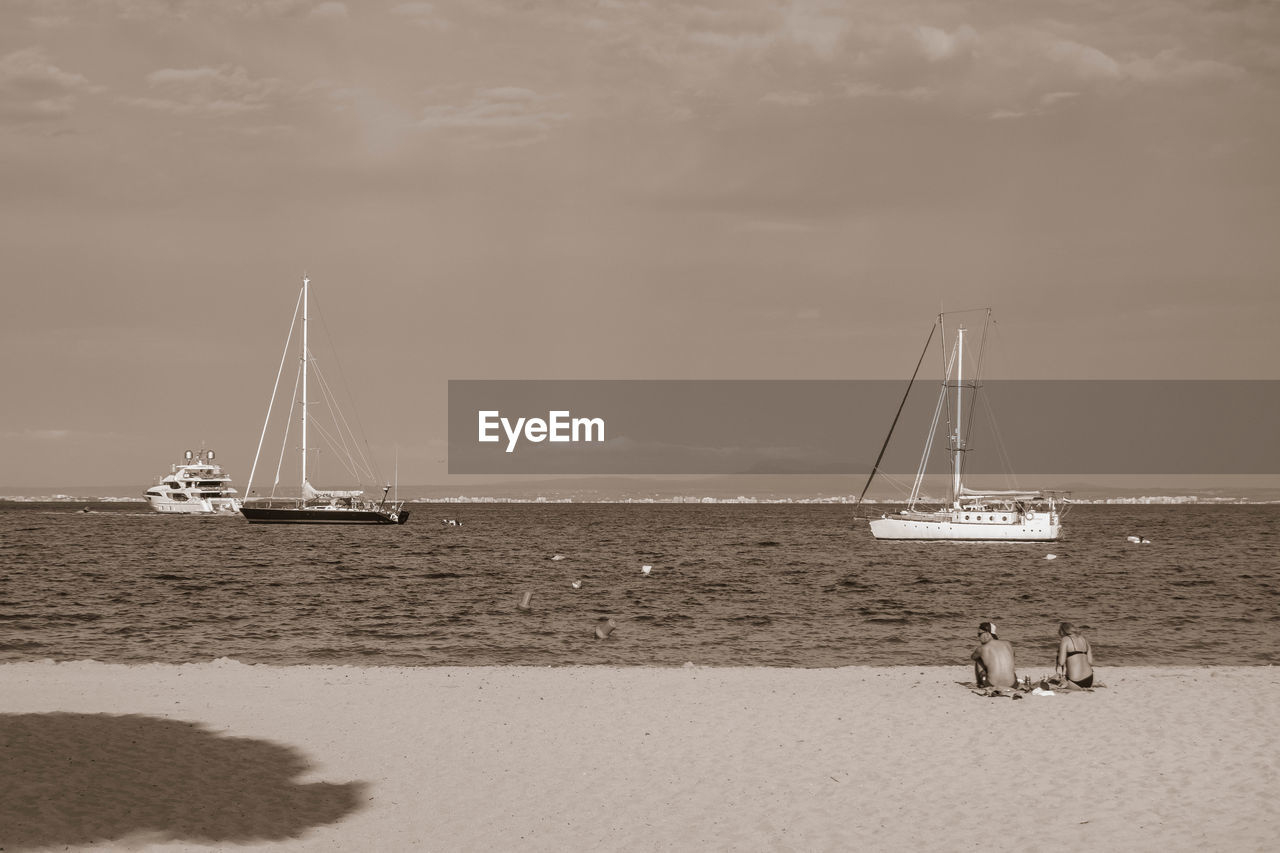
[734,42]
[244,10]
[329,10]
[791,98]
[506,115]
[420,14]
[817,25]
[1051,98]
[220,91]
[1038,70]
[706,38]
[1169,66]
[1044,104]
[51,22]
[38,435]
[939,45]
[775,226]
[1084,61]
[33,89]
[875,90]
[272,8]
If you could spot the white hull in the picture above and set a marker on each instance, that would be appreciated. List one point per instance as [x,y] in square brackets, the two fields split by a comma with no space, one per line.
[195,506]
[969,526]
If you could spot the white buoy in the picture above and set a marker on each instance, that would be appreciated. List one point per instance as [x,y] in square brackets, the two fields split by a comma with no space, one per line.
[576,584]
[558,557]
[1133,539]
[1146,541]
[646,569]
[1051,556]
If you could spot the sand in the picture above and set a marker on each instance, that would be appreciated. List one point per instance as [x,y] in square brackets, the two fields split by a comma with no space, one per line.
[222,755]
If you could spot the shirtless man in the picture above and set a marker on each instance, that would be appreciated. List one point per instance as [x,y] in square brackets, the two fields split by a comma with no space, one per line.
[993,659]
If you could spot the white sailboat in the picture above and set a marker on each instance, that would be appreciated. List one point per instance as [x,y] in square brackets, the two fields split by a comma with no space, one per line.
[314,506]
[968,514]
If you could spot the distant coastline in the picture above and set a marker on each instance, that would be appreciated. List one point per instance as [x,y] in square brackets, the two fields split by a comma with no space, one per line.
[87,496]
[1139,489]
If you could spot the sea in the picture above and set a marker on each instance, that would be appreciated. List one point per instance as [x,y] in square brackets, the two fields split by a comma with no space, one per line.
[761,585]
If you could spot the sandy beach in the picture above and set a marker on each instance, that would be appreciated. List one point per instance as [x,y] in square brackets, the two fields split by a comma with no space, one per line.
[223,755]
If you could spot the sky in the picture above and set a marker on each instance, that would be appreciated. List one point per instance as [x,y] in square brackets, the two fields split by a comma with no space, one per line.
[743,189]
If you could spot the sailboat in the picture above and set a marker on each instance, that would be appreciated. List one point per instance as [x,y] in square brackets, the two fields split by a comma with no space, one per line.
[314,506]
[968,514]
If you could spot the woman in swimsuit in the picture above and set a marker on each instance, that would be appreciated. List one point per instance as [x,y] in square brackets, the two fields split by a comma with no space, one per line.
[1075,656]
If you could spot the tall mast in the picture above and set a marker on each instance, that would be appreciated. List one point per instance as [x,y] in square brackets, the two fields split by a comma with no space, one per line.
[955,485]
[305,357]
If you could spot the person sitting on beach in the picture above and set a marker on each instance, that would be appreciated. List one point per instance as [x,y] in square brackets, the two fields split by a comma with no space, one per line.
[1075,656]
[993,659]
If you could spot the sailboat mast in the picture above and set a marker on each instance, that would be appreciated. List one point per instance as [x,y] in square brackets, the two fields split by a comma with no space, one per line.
[955,473]
[305,357]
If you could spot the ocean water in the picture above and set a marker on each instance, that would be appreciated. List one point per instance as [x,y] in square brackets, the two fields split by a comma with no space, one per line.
[731,585]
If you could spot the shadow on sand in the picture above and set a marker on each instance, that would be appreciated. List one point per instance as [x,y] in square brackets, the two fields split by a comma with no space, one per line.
[70,779]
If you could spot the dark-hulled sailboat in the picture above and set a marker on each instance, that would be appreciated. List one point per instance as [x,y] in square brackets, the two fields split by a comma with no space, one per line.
[314,506]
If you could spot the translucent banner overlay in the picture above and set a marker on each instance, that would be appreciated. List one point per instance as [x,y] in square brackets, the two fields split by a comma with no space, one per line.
[839,426]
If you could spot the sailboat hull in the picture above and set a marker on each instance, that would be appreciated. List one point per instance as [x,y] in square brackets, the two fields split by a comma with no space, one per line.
[317,515]
[1042,527]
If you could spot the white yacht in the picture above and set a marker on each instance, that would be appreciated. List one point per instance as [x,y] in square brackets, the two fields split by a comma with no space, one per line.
[196,485]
